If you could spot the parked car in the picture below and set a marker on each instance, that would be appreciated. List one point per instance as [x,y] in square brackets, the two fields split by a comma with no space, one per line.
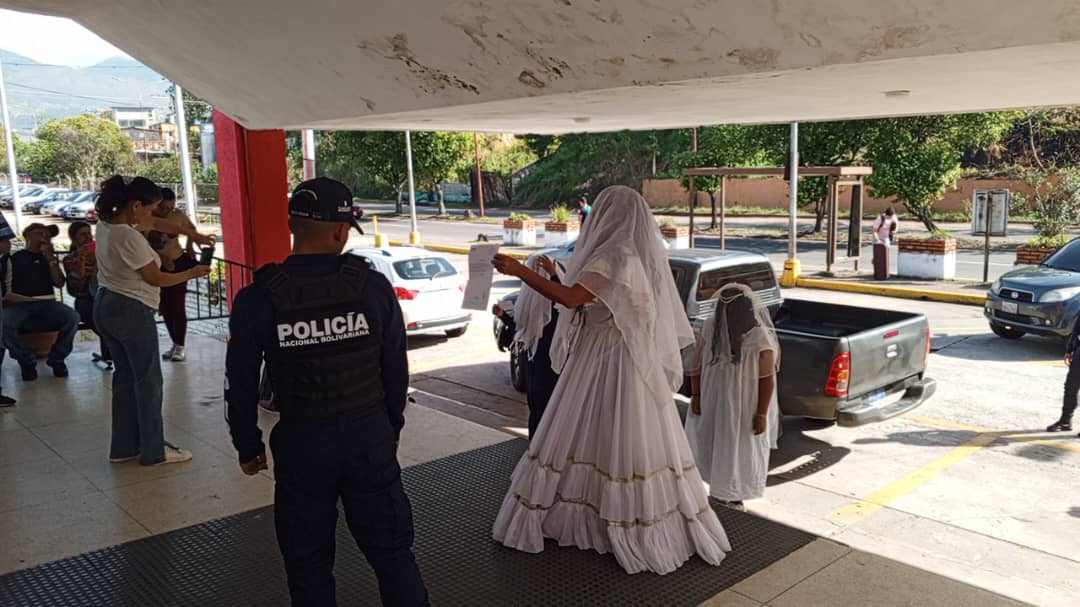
[33,204]
[1041,300]
[25,191]
[843,363]
[80,210]
[428,287]
[56,207]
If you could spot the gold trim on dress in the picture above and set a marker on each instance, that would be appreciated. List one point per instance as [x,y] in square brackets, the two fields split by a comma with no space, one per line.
[679,473]
[623,524]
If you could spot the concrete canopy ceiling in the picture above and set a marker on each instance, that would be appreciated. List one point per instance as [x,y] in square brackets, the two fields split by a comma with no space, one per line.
[552,66]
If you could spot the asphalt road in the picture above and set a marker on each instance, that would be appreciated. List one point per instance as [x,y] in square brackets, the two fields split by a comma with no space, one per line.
[969,264]
[967,485]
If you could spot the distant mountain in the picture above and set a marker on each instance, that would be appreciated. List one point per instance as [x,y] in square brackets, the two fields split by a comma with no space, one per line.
[37,92]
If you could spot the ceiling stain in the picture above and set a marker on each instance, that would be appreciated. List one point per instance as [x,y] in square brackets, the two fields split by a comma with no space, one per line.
[893,38]
[528,78]
[430,79]
[756,58]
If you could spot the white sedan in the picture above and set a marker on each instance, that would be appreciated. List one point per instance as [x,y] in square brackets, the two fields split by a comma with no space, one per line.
[428,287]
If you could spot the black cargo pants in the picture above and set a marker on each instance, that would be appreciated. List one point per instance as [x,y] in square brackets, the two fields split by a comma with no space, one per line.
[354,459]
[1072,389]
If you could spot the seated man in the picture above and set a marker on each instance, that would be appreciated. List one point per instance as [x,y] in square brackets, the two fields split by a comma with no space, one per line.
[30,279]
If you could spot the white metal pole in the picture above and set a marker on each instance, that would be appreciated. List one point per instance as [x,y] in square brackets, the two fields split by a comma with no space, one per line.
[414,234]
[308,152]
[9,138]
[190,194]
[794,202]
[790,277]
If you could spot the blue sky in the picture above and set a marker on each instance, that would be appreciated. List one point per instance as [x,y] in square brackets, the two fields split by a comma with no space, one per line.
[52,40]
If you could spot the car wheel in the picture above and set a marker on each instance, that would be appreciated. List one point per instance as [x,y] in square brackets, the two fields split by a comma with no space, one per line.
[1006,332]
[517,370]
[458,332]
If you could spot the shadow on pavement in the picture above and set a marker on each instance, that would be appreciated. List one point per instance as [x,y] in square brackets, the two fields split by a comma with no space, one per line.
[955,438]
[1074,511]
[796,444]
[989,347]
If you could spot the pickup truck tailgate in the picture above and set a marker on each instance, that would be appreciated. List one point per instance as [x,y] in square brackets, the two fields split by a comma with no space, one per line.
[885,355]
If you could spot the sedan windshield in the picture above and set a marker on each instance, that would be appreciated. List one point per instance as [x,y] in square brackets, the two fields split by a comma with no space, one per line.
[1066,258]
[424,268]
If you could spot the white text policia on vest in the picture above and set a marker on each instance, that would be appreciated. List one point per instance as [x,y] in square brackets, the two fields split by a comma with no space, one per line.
[327,330]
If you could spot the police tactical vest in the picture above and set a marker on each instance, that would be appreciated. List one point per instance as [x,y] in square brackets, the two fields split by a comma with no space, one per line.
[327,350]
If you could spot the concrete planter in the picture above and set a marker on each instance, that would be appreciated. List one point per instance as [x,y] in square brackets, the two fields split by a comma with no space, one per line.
[519,233]
[676,237]
[1032,255]
[558,233]
[929,258]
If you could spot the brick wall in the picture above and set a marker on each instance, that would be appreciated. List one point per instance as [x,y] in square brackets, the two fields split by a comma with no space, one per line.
[1032,255]
[916,245]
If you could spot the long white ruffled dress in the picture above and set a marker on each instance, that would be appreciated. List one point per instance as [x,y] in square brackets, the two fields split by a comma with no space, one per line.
[610,468]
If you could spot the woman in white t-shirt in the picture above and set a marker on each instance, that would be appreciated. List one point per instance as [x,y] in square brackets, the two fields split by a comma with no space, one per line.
[130,281]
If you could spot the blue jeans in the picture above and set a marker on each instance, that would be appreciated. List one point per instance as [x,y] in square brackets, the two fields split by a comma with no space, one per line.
[354,460]
[128,329]
[40,316]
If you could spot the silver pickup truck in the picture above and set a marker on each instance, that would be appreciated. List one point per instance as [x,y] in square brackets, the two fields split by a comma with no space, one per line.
[843,363]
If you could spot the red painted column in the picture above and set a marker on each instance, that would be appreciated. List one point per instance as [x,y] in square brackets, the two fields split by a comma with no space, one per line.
[253,190]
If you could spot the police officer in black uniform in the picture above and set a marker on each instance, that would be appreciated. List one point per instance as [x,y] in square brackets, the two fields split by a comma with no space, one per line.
[1072,382]
[333,339]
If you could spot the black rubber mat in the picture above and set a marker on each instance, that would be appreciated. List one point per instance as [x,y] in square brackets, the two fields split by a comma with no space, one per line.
[234,561]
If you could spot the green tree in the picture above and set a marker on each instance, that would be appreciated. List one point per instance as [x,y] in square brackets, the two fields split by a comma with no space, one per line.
[722,146]
[22,148]
[436,155]
[84,147]
[916,158]
[196,112]
[163,171]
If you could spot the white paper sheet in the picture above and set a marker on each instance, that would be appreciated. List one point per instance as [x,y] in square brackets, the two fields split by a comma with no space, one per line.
[478,289]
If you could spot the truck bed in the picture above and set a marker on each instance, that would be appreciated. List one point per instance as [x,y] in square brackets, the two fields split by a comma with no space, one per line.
[887,352]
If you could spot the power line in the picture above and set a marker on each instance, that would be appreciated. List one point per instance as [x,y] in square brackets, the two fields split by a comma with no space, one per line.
[87,67]
[75,96]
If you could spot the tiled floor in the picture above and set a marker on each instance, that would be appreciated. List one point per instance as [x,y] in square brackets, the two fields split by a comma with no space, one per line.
[59,495]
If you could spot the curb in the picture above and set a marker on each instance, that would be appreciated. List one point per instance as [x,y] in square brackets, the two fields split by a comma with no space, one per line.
[458,249]
[952,297]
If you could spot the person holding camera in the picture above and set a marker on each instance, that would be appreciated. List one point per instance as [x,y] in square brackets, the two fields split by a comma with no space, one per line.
[130,280]
[80,265]
[31,277]
[174,259]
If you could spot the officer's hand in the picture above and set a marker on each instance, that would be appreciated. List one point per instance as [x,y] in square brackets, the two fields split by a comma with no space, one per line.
[507,265]
[1068,359]
[253,467]
[496,310]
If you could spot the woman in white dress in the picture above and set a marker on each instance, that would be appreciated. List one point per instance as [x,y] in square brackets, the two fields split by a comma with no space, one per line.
[734,417]
[609,468]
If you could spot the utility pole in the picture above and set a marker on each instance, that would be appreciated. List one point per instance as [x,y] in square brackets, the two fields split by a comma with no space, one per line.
[190,194]
[414,234]
[479,175]
[792,267]
[308,152]
[9,138]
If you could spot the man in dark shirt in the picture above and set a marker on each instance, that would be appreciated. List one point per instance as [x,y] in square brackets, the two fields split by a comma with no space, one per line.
[31,277]
[333,337]
[1072,383]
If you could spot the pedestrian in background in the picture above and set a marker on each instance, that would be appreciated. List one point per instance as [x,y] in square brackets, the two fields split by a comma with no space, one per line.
[341,400]
[130,279]
[1072,383]
[584,208]
[885,227]
[80,266]
[175,259]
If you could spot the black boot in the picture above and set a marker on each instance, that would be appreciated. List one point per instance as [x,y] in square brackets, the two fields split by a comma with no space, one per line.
[1060,425]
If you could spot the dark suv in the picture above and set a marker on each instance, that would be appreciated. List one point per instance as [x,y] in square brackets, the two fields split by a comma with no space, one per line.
[1041,300]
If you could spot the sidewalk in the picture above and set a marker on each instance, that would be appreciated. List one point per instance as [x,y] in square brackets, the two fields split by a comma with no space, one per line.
[63,499]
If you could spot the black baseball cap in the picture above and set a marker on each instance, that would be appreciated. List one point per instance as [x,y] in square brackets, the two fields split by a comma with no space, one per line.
[323,199]
[6,233]
[52,230]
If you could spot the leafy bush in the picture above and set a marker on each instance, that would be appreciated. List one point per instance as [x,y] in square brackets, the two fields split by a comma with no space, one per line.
[1058,203]
[667,222]
[520,216]
[1052,242]
[561,213]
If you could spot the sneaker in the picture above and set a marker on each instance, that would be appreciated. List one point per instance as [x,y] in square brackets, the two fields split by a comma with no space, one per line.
[1059,426]
[6,401]
[29,372]
[59,369]
[175,455]
[168,355]
[120,460]
[179,355]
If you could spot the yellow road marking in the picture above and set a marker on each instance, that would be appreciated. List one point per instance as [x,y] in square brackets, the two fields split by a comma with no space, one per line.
[858,510]
[862,508]
[1049,363]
